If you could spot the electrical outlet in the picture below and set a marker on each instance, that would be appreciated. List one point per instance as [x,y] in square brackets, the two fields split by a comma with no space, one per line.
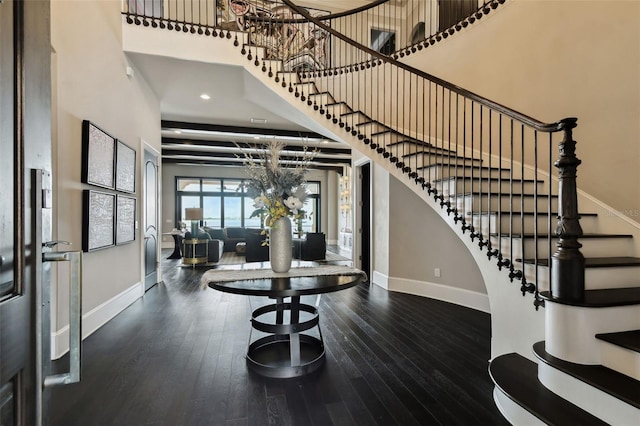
[436,272]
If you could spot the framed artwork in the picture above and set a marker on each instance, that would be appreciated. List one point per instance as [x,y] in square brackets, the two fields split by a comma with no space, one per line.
[98,220]
[125,168]
[125,219]
[98,154]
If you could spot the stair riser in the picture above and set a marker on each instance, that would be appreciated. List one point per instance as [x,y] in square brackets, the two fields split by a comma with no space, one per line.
[454,186]
[387,138]
[354,119]
[474,203]
[336,109]
[409,148]
[514,224]
[443,172]
[598,403]
[321,99]
[425,160]
[591,247]
[620,359]
[594,278]
[306,88]
[369,128]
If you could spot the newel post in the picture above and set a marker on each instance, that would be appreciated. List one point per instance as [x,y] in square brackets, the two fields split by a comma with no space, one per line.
[567,263]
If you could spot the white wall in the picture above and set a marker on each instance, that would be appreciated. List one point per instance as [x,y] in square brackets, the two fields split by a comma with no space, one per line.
[90,83]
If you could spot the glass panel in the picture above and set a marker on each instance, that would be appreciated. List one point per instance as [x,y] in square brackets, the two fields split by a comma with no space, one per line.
[309,223]
[383,41]
[313,187]
[231,186]
[188,185]
[7,404]
[232,211]
[253,222]
[211,185]
[7,158]
[212,212]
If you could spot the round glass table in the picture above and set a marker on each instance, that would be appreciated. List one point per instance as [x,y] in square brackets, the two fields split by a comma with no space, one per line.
[287,351]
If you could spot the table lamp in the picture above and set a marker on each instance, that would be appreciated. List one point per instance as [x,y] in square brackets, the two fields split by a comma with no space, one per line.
[195,216]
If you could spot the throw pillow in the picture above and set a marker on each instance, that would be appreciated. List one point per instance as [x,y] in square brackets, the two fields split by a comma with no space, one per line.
[218,234]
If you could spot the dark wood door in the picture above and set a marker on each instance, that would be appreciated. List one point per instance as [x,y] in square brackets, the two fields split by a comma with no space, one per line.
[150,219]
[365,220]
[25,145]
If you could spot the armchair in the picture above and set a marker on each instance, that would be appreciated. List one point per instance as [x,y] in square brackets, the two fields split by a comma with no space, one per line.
[255,251]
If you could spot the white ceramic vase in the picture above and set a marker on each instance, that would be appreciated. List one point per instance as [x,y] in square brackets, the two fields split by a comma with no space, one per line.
[280,245]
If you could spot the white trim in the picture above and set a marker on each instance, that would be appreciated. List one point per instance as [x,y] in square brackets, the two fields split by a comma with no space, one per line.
[459,296]
[380,279]
[601,404]
[96,318]
[514,412]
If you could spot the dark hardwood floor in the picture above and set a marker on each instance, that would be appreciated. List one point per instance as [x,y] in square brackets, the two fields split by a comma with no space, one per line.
[176,357]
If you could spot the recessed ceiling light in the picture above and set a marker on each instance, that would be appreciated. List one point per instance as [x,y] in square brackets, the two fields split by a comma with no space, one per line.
[205,97]
[259,120]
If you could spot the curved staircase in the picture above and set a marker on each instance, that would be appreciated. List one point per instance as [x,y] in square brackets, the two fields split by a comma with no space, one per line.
[586,370]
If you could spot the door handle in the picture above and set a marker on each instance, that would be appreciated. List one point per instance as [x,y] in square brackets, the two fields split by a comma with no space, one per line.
[75,315]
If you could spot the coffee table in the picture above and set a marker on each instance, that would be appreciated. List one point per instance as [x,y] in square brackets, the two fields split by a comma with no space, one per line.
[286,351]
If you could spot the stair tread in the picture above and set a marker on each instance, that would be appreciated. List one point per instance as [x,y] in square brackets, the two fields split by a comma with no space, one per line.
[495,179]
[607,380]
[598,262]
[525,213]
[545,235]
[601,298]
[626,339]
[517,377]
[503,194]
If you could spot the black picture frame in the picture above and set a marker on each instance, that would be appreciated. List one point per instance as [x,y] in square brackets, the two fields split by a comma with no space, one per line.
[98,220]
[125,168]
[125,219]
[98,156]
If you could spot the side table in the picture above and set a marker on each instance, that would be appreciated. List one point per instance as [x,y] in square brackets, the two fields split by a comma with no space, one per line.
[177,243]
[191,254]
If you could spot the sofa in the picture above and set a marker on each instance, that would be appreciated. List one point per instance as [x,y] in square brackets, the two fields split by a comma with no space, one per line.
[230,235]
[312,247]
[214,249]
[255,251]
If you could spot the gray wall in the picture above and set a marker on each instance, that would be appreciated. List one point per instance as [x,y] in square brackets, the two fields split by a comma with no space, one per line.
[420,241]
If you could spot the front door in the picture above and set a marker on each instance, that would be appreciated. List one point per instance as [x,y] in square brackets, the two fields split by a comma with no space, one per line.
[25,145]
[150,222]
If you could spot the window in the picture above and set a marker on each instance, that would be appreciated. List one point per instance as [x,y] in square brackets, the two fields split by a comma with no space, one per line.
[383,41]
[224,203]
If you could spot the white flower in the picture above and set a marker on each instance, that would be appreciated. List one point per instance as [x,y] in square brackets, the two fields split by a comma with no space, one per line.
[293,203]
[259,202]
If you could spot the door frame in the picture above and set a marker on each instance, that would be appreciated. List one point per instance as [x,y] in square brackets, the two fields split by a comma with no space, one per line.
[144,146]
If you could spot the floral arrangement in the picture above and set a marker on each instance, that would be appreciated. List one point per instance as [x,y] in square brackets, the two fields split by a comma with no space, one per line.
[278,190]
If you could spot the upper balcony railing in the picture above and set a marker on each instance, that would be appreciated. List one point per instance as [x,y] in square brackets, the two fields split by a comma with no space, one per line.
[392,27]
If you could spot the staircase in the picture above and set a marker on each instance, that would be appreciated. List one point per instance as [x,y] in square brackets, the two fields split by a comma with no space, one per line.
[583,365]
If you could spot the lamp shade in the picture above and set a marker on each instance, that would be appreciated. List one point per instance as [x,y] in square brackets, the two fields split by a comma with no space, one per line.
[193,214]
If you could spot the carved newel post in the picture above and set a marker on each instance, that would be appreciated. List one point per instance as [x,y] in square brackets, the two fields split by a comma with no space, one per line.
[567,263]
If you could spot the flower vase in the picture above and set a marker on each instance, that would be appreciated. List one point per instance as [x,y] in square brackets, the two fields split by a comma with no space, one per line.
[280,245]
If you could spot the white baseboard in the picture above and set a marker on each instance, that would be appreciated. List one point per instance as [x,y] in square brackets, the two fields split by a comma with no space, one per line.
[96,318]
[462,297]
